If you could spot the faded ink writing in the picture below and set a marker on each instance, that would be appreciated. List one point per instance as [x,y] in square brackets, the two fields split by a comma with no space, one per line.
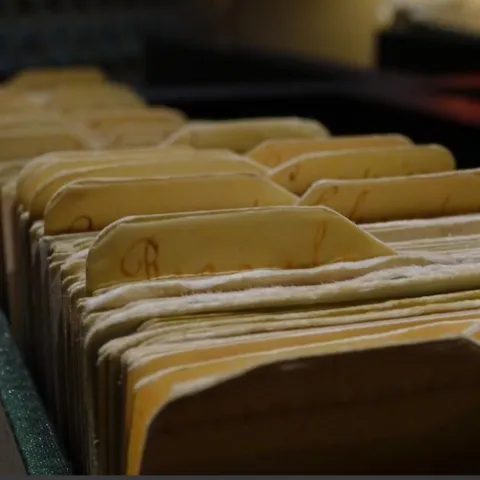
[141,257]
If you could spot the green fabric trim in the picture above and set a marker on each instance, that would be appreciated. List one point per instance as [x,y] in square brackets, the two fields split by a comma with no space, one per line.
[38,445]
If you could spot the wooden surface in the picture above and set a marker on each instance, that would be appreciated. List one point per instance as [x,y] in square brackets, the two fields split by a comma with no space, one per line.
[10,459]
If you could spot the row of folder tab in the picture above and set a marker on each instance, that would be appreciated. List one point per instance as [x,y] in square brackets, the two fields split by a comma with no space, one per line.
[241,296]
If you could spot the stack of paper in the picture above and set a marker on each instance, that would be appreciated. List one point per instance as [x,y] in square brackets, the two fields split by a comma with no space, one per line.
[246,296]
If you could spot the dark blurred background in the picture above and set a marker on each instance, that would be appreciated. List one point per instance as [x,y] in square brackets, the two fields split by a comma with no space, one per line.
[360,66]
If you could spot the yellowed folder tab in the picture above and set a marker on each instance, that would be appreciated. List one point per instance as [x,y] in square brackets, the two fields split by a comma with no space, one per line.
[90,205]
[275,152]
[401,198]
[242,135]
[298,174]
[130,252]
